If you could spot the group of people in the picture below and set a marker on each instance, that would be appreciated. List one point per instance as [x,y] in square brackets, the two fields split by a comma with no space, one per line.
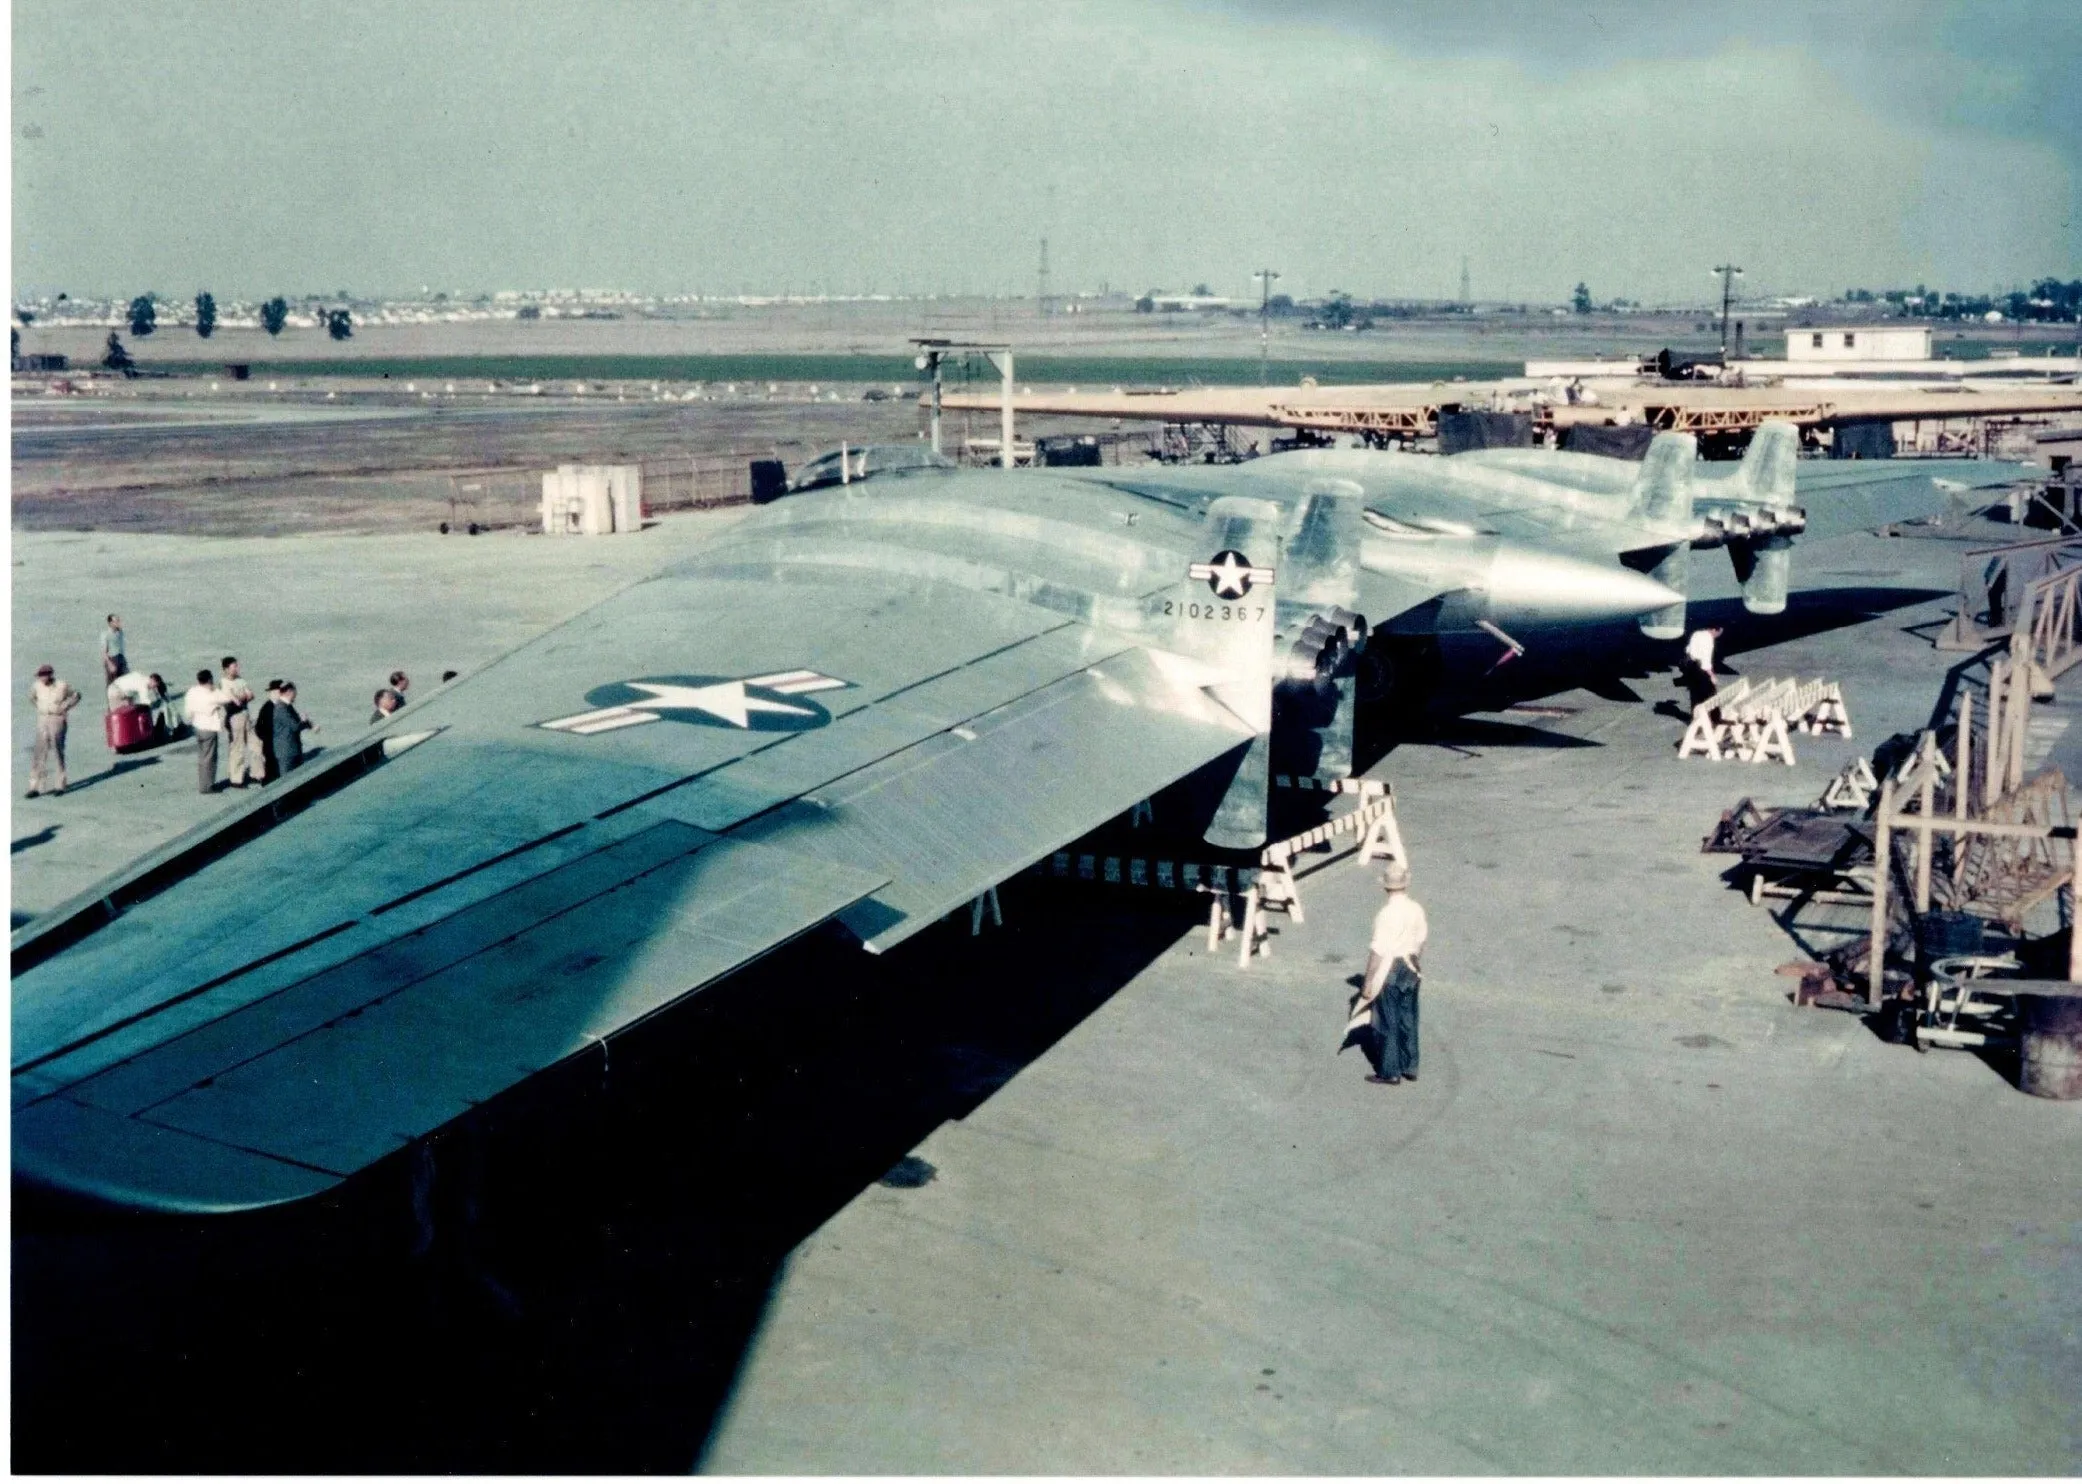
[259,743]
[259,737]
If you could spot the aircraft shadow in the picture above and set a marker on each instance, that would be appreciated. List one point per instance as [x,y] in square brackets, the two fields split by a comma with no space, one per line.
[1473,732]
[1602,661]
[603,1246]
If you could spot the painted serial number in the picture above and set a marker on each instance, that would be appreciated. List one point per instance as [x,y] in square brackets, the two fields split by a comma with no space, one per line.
[1215,612]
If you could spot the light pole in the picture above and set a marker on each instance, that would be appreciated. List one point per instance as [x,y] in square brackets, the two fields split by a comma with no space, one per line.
[1729,273]
[1265,276]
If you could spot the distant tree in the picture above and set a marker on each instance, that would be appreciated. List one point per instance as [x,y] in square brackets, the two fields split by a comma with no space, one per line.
[1147,304]
[1580,300]
[144,316]
[1280,304]
[205,314]
[528,311]
[339,324]
[1202,291]
[1337,309]
[274,315]
[2050,299]
[118,359]
[26,316]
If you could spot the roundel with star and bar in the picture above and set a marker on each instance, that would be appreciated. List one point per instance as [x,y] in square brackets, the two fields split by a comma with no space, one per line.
[1229,574]
[757,703]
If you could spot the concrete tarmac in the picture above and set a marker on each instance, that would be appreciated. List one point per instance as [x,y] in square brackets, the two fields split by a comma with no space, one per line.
[335,614]
[1638,1214]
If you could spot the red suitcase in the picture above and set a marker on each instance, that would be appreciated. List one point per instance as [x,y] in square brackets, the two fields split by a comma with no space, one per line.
[127,728]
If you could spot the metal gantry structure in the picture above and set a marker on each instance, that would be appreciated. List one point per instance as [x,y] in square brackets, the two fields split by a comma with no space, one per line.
[932,352]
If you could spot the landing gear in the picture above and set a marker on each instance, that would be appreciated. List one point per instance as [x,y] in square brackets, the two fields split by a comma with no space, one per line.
[1396,672]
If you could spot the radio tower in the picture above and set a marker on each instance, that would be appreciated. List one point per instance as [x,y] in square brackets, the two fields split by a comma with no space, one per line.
[1041,295]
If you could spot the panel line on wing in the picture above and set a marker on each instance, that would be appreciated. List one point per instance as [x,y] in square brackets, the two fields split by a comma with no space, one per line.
[185,995]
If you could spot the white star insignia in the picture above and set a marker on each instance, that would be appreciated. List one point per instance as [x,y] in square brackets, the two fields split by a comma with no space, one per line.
[726,700]
[1229,575]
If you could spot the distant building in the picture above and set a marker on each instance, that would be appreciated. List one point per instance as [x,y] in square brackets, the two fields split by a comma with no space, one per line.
[2061,451]
[1863,343]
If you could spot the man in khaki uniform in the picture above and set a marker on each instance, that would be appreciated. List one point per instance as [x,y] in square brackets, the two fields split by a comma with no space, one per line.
[53,700]
[242,760]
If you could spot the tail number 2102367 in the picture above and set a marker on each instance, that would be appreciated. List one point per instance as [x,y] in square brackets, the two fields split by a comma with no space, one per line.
[1215,612]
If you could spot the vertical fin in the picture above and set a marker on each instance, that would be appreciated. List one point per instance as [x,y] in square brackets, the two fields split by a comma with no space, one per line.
[1227,617]
[1771,463]
[1770,576]
[1770,468]
[1320,578]
[1662,494]
[1674,572]
[1662,498]
[1322,558]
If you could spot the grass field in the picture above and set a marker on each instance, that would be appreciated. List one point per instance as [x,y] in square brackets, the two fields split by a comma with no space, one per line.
[868,369]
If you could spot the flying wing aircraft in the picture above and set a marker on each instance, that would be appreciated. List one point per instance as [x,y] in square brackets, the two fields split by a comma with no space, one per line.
[863,705]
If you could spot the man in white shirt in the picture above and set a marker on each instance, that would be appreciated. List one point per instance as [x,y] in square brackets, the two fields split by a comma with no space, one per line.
[204,704]
[1386,1006]
[1698,666]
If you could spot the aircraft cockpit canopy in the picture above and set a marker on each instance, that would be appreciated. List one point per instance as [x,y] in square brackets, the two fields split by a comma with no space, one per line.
[849,465]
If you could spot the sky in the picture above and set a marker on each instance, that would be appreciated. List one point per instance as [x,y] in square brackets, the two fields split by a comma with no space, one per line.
[878,146]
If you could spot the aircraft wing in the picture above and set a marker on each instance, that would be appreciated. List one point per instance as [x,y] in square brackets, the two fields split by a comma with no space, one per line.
[594,827]
[1843,496]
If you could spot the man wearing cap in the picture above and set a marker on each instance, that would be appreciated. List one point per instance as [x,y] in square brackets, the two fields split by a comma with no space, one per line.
[1386,1005]
[52,698]
[264,733]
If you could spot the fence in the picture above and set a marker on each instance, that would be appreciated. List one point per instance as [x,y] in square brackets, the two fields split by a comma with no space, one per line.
[504,497]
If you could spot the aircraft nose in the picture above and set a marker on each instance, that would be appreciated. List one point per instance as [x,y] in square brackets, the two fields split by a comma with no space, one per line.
[1525,583]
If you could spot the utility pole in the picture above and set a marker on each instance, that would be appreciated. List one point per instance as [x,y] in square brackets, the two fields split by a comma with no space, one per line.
[1047,304]
[1265,276]
[1465,300]
[1729,273]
